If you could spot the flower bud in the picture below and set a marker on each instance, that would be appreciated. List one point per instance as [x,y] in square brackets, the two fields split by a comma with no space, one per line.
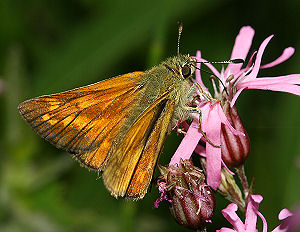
[192,202]
[235,149]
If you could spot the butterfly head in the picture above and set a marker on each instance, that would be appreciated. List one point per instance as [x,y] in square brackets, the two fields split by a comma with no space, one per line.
[181,65]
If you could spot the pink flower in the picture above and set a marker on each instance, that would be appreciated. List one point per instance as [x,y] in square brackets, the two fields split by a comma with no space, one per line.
[235,78]
[212,117]
[284,216]
[251,216]
[246,78]
[289,221]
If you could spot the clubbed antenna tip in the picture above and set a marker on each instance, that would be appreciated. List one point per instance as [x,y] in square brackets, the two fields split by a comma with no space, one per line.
[237,61]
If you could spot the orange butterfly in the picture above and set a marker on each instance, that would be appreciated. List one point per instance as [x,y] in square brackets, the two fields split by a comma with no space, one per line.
[118,125]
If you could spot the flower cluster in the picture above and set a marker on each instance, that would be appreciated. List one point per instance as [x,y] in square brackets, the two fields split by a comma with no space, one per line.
[289,221]
[235,79]
[222,139]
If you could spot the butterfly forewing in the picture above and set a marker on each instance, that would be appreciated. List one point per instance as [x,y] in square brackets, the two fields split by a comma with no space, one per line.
[80,120]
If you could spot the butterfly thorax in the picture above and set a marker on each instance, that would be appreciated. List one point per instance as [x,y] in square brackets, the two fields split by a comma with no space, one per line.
[167,79]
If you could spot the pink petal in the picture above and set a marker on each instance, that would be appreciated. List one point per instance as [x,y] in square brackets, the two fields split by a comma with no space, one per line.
[284,213]
[188,143]
[213,165]
[241,48]
[284,216]
[280,83]
[260,52]
[286,54]
[251,213]
[237,94]
[230,214]
[265,224]
[200,150]
[212,126]
[293,89]
[210,66]
[294,220]
[287,79]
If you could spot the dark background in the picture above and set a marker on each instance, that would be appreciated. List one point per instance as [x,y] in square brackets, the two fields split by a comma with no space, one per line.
[50,46]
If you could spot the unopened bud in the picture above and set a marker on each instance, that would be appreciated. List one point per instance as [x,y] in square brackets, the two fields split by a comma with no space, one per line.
[235,148]
[192,202]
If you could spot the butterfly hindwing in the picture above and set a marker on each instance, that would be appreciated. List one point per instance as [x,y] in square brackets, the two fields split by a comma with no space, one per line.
[143,172]
[138,154]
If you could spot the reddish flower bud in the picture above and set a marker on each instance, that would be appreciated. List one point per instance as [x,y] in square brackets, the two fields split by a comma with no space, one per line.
[192,202]
[235,149]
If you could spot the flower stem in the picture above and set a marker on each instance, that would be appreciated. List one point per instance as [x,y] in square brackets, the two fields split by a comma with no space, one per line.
[243,178]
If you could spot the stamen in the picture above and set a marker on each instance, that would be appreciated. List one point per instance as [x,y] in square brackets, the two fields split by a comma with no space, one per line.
[229,78]
[213,78]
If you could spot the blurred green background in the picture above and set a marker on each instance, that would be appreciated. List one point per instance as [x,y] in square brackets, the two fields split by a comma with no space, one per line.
[50,46]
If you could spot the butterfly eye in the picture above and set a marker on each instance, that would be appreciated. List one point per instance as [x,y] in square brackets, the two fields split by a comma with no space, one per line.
[186,71]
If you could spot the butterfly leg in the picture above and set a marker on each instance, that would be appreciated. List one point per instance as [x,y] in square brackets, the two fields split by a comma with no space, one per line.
[192,91]
[204,134]
[198,111]
[203,92]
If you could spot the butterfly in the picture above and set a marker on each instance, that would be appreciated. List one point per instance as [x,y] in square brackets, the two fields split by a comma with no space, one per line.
[118,126]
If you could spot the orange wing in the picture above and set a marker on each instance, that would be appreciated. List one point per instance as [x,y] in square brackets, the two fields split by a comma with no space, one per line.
[105,128]
[131,167]
[85,118]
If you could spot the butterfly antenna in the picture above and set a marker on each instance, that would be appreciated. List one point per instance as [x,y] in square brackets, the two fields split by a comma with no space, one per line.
[180,28]
[213,76]
[233,61]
